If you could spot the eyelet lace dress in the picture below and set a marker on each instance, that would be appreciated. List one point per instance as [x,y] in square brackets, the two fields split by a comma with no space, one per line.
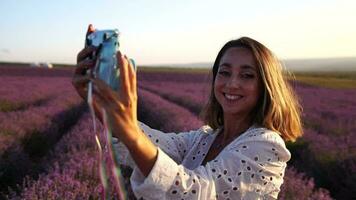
[250,167]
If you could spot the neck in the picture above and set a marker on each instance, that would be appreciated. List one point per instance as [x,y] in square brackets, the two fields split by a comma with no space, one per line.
[235,126]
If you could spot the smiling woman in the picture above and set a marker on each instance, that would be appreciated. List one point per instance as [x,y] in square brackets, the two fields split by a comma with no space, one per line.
[239,154]
[277,108]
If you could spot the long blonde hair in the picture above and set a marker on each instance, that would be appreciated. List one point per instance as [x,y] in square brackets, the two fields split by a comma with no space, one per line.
[278,109]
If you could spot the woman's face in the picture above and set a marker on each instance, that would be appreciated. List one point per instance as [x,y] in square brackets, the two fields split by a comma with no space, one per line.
[237,84]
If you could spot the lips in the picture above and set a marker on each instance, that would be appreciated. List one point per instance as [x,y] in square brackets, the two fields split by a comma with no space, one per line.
[232,97]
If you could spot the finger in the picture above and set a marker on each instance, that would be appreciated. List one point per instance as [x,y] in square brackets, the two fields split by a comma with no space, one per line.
[98,103]
[97,109]
[81,80]
[80,83]
[103,90]
[83,66]
[108,96]
[111,106]
[90,30]
[124,86]
[99,99]
[132,76]
[86,52]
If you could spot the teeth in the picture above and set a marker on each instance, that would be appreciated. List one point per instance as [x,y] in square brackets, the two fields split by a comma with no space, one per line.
[232,97]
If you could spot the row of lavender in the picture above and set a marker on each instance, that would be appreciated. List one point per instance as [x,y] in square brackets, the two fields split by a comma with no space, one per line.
[35,112]
[29,105]
[70,169]
[326,152]
[328,149]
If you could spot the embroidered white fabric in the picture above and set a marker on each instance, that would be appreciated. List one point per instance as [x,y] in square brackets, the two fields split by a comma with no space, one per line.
[250,167]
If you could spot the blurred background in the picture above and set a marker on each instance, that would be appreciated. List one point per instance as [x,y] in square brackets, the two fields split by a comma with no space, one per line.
[179,32]
[47,145]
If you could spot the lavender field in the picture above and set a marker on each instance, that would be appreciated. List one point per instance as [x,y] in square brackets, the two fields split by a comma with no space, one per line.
[48,151]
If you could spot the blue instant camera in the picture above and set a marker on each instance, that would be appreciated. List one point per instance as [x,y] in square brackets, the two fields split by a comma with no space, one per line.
[106,66]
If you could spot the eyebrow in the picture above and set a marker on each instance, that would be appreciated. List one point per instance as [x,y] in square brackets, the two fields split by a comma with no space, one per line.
[242,66]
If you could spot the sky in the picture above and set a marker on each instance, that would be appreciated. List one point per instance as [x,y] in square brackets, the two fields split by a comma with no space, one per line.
[185,31]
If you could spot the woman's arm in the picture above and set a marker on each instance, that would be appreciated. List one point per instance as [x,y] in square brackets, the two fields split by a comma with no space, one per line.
[175,145]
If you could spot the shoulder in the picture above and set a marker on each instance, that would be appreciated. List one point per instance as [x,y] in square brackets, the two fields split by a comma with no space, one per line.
[263,155]
[262,141]
[263,134]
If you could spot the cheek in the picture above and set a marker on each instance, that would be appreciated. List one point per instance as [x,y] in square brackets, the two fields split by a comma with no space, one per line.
[217,94]
[218,83]
[217,86]
[257,91]
[215,90]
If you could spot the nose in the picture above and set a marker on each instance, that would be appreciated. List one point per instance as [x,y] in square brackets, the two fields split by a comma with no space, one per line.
[234,82]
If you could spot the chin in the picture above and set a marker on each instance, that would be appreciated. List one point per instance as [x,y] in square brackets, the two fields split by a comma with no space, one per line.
[232,111]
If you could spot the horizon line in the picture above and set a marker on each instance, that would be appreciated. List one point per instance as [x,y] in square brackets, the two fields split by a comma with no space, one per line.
[177,64]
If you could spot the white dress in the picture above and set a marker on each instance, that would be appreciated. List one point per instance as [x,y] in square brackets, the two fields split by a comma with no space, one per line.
[250,167]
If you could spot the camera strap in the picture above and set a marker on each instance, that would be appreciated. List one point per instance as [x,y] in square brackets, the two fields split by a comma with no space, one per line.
[106,151]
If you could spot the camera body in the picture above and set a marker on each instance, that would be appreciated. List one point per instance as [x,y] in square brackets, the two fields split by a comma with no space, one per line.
[106,66]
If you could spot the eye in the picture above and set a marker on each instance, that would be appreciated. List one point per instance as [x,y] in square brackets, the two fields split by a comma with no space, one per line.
[224,73]
[247,75]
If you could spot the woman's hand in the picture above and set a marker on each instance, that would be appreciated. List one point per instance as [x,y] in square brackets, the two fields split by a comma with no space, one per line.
[81,78]
[84,62]
[121,114]
[121,106]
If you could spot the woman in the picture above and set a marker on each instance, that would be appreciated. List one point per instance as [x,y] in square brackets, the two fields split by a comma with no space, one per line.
[240,154]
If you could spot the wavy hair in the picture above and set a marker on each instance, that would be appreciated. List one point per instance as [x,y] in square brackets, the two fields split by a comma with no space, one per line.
[278,109]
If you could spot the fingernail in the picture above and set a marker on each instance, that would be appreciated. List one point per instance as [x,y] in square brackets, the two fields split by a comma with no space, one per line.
[133,63]
[91,28]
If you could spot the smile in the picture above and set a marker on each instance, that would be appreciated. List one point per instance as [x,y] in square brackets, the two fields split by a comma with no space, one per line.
[232,97]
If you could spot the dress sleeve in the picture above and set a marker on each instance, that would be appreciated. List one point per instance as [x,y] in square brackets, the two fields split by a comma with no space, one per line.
[174,145]
[251,168]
